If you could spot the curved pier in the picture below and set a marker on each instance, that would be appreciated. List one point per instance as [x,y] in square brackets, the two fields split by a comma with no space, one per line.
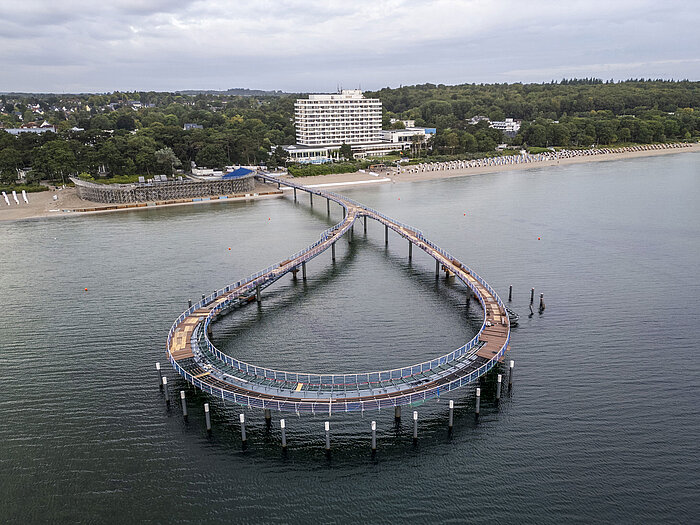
[199,362]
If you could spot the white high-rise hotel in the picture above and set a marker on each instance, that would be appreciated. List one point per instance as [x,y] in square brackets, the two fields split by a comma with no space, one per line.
[325,122]
[331,120]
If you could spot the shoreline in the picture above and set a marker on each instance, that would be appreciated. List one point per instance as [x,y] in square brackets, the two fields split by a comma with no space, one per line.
[42,205]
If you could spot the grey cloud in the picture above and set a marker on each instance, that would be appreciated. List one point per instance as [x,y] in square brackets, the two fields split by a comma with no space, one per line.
[310,45]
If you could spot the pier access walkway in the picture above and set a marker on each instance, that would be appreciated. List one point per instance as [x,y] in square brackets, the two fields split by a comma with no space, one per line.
[199,362]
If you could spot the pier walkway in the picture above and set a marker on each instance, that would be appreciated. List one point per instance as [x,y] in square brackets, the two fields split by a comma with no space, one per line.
[199,362]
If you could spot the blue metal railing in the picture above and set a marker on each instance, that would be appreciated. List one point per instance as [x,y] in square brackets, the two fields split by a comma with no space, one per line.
[235,291]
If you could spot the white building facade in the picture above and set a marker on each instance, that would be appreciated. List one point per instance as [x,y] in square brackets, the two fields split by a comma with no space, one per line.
[331,120]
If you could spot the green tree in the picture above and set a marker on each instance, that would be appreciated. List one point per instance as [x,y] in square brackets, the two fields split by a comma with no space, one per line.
[10,162]
[346,151]
[211,156]
[166,157]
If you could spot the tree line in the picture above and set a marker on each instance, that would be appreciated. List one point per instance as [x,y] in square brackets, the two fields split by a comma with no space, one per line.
[142,132]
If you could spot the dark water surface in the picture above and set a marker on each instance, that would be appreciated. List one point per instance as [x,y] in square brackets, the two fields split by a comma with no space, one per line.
[602,424]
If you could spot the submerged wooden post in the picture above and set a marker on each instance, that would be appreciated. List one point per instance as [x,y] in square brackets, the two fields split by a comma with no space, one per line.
[184,403]
[243,436]
[328,205]
[303,270]
[452,410]
[410,250]
[374,436]
[386,234]
[207,417]
[437,269]
[541,302]
[333,251]
[257,294]
[510,375]
[167,390]
[311,199]
[478,401]
[532,296]
[510,293]
[415,427]
[365,224]
[284,434]
[295,194]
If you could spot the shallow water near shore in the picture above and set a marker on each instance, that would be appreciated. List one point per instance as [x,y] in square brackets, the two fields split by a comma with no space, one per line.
[601,424]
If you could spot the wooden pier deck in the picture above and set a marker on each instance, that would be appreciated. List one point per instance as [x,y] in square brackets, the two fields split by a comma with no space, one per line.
[196,359]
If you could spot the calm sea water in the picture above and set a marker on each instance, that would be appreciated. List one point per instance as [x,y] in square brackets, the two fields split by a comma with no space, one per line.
[602,424]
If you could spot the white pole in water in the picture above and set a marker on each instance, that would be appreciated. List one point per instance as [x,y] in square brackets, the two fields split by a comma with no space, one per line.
[160,375]
[284,434]
[184,403]
[452,409]
[498,387]
[207,416]
[415,427]
[242,419]
[328,436]
[374,436]
[478,401]
[510,375]
[24,196]
[167,390]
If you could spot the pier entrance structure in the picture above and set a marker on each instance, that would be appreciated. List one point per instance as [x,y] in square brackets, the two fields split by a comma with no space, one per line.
[200,363]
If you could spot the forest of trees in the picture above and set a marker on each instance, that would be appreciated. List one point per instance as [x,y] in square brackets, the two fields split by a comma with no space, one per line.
[142,133]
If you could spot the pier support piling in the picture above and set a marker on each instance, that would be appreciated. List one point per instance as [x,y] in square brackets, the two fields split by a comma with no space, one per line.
[365,218]
[510,293]
[397,413]
[541,302]
[160,376]
[167,390]
[328,436]
[258,298]
[410,250]
[452,415]
[437,269]
[311,199]
[268,417]
[243,436]
[183,401]
[386,235]
[203,296]
[207,417]
[333,251]
[532,296]
[303,271]
[415,427]
[510,375]
[328,205]
[498,388]
[374,436]
[295,194]
[284,434]
[478,402]
[189,303]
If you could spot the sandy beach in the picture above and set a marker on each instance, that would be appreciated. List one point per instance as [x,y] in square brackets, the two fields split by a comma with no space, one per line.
[42,205]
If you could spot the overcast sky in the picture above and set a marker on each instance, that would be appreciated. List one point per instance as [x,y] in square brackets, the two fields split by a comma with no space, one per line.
[313,45]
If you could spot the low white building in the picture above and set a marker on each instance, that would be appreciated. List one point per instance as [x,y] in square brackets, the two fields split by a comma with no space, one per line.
[508,126]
